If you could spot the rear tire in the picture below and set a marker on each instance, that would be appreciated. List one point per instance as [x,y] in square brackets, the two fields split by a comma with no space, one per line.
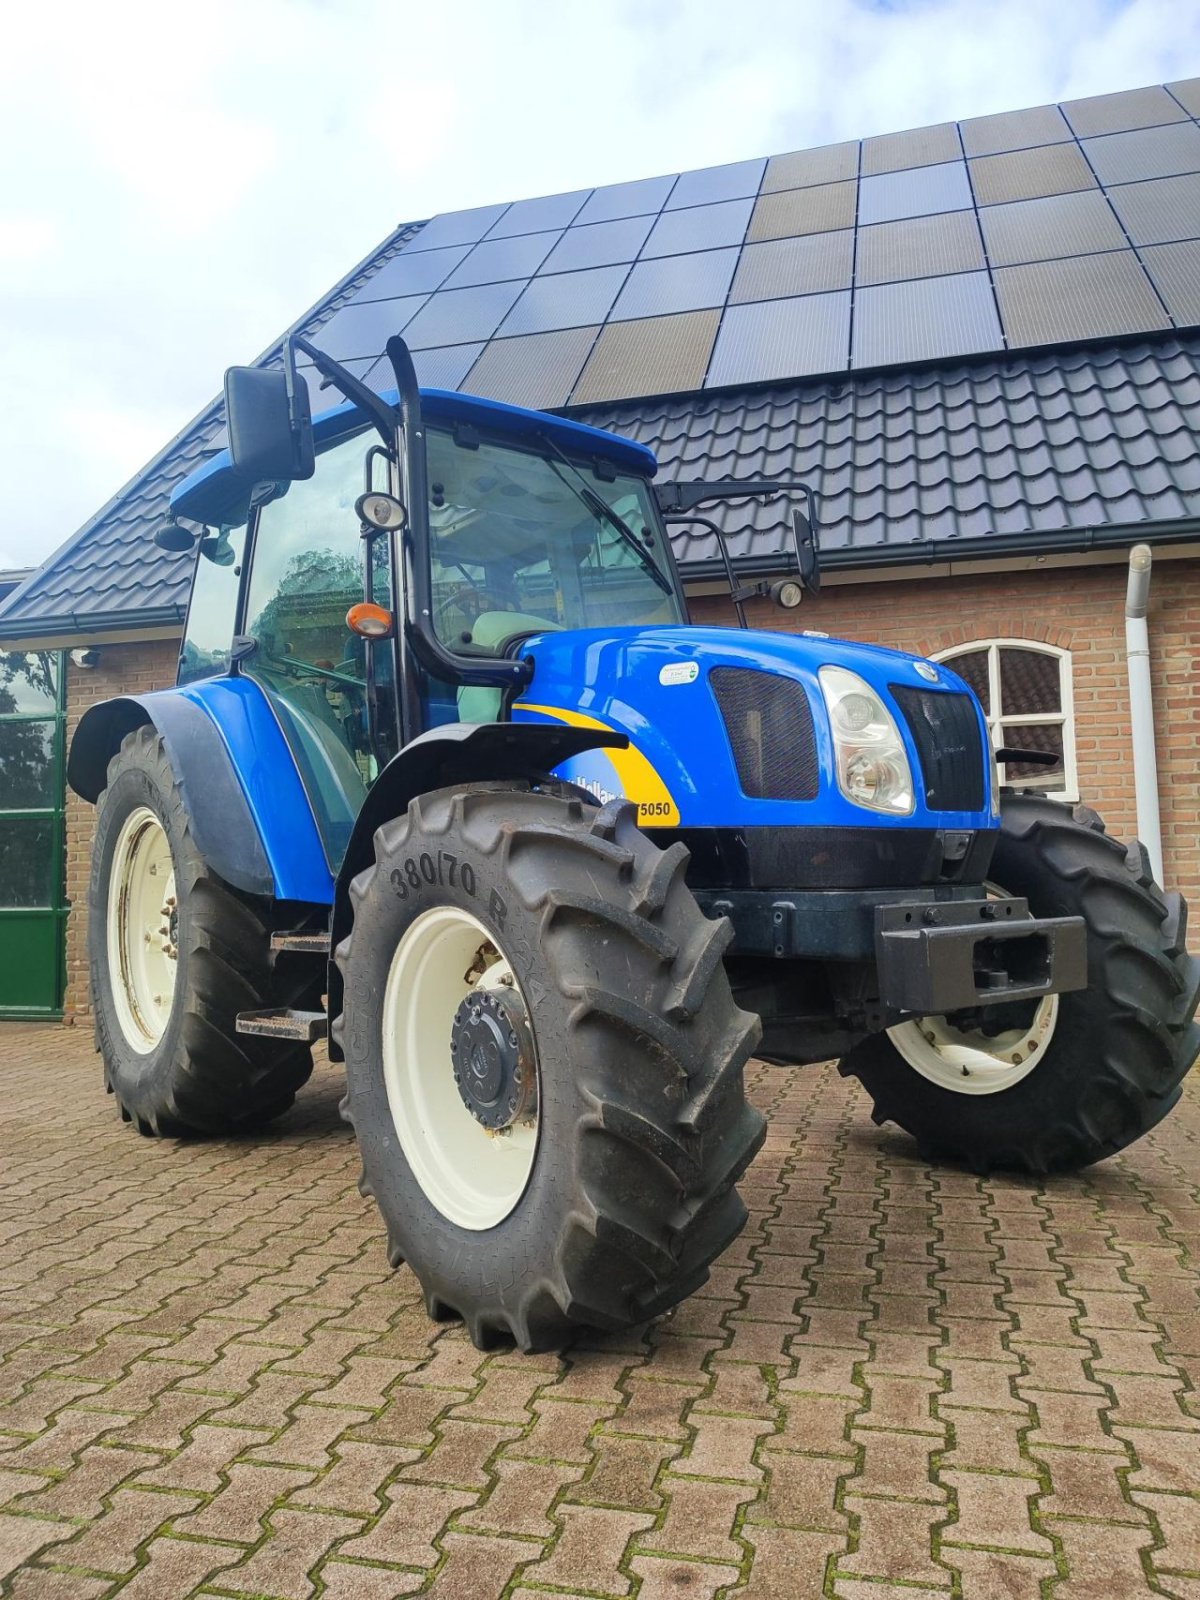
[624,1192]
[166,1024]
[1117,1051]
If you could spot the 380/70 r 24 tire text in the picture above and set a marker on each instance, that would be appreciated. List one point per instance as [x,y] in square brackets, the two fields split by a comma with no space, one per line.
[610,1191]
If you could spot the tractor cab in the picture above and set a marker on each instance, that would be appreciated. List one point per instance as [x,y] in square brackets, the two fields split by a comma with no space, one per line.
[532,525]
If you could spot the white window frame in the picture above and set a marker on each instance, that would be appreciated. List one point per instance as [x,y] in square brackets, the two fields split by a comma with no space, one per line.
[998,720]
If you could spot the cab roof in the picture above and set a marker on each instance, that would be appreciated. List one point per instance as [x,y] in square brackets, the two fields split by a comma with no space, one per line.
[215,494]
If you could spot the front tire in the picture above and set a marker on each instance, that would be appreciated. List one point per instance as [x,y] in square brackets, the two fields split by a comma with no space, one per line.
[1076,1078]
[609,1189]
[175,953]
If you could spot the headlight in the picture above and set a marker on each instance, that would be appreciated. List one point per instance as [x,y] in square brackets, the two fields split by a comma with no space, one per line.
[872,763]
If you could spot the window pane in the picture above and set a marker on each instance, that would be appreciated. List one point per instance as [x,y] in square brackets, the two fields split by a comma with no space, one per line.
[26,765]
[1030,683]
[1034,736]
[27,861]
[28,681]
[973,667]
[213,609]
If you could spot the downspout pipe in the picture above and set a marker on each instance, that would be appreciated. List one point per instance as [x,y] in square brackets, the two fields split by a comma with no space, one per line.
[1141,706]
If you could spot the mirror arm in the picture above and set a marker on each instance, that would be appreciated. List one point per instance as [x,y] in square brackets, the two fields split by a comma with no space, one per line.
[367,401]
[737,593]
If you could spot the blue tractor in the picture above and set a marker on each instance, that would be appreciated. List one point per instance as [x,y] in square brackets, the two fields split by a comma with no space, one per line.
[448,776]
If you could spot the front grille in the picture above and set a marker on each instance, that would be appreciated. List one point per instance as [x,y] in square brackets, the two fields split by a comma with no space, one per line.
[945,730]
[770,726]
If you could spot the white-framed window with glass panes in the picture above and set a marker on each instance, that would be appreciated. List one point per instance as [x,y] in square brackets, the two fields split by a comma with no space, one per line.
[1025,691]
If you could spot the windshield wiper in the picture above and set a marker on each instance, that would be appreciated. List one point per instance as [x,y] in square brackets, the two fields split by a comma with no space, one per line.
[603,512]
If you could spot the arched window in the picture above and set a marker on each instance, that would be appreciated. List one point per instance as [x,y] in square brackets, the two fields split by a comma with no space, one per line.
[1025,690]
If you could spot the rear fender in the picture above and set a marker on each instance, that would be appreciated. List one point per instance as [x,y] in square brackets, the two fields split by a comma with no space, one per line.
[456,753]
[245,803]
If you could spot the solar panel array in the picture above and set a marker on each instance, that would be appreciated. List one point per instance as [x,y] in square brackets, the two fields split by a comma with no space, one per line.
[1037,227]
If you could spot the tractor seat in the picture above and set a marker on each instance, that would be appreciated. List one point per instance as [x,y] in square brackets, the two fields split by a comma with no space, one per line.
[490,631]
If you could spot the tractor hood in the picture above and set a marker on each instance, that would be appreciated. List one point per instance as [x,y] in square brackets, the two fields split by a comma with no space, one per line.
[729,727]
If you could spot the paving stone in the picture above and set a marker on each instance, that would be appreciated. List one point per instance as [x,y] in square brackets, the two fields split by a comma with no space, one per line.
[38,1583]
[199,1465]
[354,1483]
[347,1580]
[177,1566]
[1179,1518]
[461,1454]
[655,1410]
[1103,1562]
[520,1499]
[296,1543]
[111,1542]
[993,1509]
[801,1493]
[894,1541]
[83,1489]
[309,1437]
[995,1574]
[723,1447]
[238,1508]
[561,1432]
[699,1520]
[1086,1483]
[624,1470]
[23,1537]
[674,1580]
[788,1564]
[404,1535]
[588,1550]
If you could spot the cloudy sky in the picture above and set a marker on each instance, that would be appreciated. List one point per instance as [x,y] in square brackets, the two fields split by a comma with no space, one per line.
[178,183]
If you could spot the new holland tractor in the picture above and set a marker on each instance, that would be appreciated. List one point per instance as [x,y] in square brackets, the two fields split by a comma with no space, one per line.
[448,776]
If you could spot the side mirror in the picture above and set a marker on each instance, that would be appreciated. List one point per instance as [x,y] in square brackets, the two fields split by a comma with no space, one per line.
[171,536]
[270,424]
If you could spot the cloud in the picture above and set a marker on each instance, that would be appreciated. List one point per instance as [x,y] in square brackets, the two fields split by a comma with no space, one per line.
[181,182]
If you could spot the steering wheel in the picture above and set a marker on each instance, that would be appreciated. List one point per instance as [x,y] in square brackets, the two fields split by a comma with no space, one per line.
[304,669]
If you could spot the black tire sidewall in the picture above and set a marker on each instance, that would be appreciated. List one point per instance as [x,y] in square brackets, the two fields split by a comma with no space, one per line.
[518,1252]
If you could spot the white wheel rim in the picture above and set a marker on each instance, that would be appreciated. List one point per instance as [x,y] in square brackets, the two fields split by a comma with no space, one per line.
[966,1061]
[473,1176]
[142,932]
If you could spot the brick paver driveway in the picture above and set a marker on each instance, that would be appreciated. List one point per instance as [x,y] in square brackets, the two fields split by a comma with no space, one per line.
[899,1383]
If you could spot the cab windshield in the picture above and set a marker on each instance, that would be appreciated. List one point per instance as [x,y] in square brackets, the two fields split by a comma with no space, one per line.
[519,543]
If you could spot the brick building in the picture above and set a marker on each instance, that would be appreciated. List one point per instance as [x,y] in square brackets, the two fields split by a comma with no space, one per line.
[979,341]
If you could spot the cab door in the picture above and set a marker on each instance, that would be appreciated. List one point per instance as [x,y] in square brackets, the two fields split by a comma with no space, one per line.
[33,905]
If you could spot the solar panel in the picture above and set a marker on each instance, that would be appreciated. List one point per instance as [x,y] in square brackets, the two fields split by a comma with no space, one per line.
[566,300]
[323,396]
[363,327]
[676,283]
[660,355]
[458,316]
[1057,225]
[1114,113]
[1084,297]
[495,260]
[923,320]
[1187,92]
[1146,153]
[919,247]
[699,228]
[916,193]
[1160,210]
[820,209]
[538,370]
[443,368]
[1175,271]
[784,267]
[802,169]
[1029,174]
[540,216]
[782,339]
[456,227]
[709,185]
[638,199]
[601,244]
[412,274]
[1014,130]
[918,147]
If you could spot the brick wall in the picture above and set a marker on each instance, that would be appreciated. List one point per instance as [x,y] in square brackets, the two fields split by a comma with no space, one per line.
[122,669]
[1080,609]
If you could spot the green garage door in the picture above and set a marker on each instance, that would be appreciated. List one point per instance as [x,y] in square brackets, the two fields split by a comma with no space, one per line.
[32,906]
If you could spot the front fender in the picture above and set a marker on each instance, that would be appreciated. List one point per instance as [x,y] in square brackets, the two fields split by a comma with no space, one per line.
[456,753]
[245,802]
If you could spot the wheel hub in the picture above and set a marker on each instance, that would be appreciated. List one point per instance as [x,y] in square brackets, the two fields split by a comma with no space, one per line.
[492,1052]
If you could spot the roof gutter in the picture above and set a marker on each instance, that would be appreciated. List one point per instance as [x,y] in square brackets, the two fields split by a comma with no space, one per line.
[142,620]
[931,552]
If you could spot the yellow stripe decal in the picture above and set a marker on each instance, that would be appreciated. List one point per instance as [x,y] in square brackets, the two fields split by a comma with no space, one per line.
[640,782]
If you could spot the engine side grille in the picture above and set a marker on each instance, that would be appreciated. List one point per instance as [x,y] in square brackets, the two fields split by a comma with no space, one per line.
[945,730]
[770,726]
